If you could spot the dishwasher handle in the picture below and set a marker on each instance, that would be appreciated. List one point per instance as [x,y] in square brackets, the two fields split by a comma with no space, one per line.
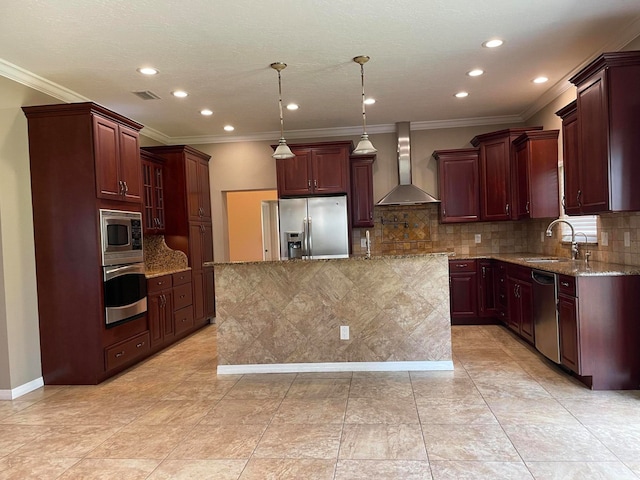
[543,278]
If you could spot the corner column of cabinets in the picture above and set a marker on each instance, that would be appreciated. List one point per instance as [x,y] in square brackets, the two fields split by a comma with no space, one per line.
[498,199]
[188,225]
[459,185]
[83,157]
[362,190]
[603,178]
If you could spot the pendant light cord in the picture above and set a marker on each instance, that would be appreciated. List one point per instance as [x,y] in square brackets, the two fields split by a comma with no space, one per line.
[364,115]
[280,105]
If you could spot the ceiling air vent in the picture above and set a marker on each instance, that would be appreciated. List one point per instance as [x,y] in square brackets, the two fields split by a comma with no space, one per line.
[147,95]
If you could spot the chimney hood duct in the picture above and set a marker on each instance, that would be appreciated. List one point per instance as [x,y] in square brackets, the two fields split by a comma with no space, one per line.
[406,193]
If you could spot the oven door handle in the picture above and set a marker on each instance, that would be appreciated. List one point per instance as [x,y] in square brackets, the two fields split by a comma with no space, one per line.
[113,272]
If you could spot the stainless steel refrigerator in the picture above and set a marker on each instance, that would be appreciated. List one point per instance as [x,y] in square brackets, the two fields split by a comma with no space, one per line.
[321,222]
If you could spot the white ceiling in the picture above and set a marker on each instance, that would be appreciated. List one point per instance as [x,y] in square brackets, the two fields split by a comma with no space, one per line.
[220,50]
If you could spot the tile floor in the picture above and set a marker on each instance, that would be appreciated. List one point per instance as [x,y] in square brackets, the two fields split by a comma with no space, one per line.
[504,413]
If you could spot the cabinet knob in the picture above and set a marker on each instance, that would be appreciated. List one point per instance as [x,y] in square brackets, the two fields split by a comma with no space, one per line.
[578,198]
[119,354]
[461,265]
[506,209]
[308,184]
[564,284]
[141,344]
[526,207]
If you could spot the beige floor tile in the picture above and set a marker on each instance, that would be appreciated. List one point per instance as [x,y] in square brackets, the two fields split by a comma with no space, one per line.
[22,468]
[382,442]
[312,410]
[454,411]
[319,388]
[549,443]
[12,437]
[622,440]
[511,388]
[300,441]
[469,443]
[66,441]
[242,412]
[190,390]
[459,388]
[382,470]
[479,470]
[174,412]
[580,471]
[255,389]
[598,411]
[530,411]
[288,469]
[210,442]
[8,408]
[141,442]
[107,469]
[198,469]
[382,410]
[380,387]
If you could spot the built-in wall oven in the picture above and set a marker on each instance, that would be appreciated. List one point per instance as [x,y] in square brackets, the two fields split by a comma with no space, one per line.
[123,271]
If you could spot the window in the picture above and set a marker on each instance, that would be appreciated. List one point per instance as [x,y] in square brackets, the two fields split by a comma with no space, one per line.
[587,224]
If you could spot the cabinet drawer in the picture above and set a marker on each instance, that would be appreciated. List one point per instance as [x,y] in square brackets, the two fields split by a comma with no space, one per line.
[184,319]
[182,296]
[456,266]
[125,351]
[181,278]
[567,285]
[158,284]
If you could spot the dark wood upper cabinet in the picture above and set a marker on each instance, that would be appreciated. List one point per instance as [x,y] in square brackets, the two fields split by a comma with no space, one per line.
[153,193]
[498,194]
[316,169]
[362,190]
[536,160]
[571,165]
[459,185]
[608,124]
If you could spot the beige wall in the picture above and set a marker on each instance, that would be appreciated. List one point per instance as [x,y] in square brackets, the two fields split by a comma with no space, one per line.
[244,213]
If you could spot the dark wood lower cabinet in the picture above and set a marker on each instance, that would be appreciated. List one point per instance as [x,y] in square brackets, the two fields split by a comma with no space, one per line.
[569,335]
[463,291]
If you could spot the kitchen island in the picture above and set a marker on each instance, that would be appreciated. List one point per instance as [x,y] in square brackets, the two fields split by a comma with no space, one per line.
[286,316]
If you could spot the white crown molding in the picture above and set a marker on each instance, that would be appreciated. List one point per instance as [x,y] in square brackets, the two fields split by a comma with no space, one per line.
[158,136]
[25,77]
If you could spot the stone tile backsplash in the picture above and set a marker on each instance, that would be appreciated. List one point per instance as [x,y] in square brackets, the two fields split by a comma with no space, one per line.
[416,229]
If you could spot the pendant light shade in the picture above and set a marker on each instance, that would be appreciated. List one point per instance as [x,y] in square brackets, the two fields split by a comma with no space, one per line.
[364,146]
[282,151]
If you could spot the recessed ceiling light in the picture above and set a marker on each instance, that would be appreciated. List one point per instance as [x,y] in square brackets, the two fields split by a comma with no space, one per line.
[475,73]
[462,94]
[492,43]
[206,112]
[147,71]
[179,93]
[370,101]
[292,106]
[540,80]
[229,128]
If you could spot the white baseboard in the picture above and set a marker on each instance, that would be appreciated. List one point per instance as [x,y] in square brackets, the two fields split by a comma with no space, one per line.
[335,367]
[22,389]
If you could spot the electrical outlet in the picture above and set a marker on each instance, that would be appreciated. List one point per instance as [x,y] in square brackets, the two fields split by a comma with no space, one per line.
[363,242]
[478,238]
[627,239]
[604,239]
[344,332]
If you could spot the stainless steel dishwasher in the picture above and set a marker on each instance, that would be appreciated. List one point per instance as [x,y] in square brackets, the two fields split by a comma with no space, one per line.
[545,314]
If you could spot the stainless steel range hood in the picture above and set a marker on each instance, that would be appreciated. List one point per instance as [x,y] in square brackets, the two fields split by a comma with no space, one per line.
[406,193]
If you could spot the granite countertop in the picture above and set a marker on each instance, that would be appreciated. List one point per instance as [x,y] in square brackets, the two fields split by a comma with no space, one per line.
[566,266]
[352,258]
[167,271]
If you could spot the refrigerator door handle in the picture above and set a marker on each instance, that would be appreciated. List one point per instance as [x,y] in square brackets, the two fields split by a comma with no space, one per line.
[305,236]
[309,237]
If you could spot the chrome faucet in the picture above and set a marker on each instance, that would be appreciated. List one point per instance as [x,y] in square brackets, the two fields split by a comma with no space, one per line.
[368,240]
[587,254]
[574,244]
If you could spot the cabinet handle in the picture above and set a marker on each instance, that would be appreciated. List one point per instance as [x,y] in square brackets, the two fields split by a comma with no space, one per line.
[308,184]
[506,209]
[526,207]
[461,265]
[121,186]
[564,284]
[444,212]
[564,204]
[182,296]
[119,354]
[126,188]
[371,215]
[578,198]
[141,344]
[484,272]
[315,183]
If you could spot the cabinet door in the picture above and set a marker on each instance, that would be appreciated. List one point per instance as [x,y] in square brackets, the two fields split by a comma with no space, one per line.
[329,170]
[209,293]
[362,192]
[487,294]
[158,197]
[129,153]
[570,163]
[464,303]
[105,144]
[168,327]
[155,314]
[193,187]
[593,147]
[514,316]
[569,332]
[204,197]
[199,301]
[495,180]
[525,294]
[459,187]
[294,174]
[522,185]
[149,217]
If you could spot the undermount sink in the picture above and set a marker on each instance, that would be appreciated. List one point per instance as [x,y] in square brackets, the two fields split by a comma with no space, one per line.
[545,260]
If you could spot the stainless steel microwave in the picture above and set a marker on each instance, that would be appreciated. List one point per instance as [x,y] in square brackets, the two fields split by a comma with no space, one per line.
[121,237]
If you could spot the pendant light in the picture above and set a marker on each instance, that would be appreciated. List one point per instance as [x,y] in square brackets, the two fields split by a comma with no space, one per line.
[364,146]
[282,151]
